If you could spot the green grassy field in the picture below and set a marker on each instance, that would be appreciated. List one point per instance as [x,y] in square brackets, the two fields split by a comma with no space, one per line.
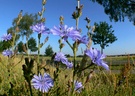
[101,82]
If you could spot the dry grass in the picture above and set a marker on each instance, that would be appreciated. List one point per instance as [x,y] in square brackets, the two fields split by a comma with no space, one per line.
[100,83]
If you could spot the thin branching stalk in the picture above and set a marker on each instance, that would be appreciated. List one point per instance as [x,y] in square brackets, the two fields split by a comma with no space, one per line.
[74,51]
[69,45]
[74,67]
[77,22]
[30,88]
[39,36]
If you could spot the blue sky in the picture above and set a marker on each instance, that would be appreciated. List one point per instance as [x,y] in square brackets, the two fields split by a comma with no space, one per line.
[124,31]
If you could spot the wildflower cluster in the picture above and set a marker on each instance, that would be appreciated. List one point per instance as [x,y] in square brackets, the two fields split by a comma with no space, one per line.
[45,82]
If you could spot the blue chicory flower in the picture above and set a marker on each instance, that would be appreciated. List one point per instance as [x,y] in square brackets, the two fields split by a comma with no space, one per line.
[83,40]
[7,53]
[69,65]
[40,28]
[64,31]
[60,57]
[97,57]
[43,83]
[6,37]
[78,86]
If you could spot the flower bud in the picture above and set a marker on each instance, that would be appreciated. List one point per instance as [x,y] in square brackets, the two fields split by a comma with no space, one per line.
[61,18]
[87,19]
[61,46]
[46,39]
[74,15]
[43,20]
[39,13]
[59,41]
[43,2]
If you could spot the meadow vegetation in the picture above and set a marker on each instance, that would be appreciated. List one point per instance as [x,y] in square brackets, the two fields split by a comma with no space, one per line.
[90,75]
[101,82]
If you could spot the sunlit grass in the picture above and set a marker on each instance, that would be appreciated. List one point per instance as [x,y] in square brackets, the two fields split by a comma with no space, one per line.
[101,83]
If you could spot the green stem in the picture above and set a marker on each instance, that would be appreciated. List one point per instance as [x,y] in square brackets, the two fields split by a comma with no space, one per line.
[69,45]
[77,22]
[39,36]
[60,44]
[85,68]
[74,67]
[74,64]
[30,88]
[74,51]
